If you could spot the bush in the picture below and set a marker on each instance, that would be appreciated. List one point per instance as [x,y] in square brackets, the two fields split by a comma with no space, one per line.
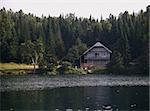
[99,70]
[72,70]
[54,72]
[64,66]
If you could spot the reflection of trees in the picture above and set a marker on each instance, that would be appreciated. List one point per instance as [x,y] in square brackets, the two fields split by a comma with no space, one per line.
[61,98]
[68,98]
[126,96]
[119,97]
[97,96]
[76,98]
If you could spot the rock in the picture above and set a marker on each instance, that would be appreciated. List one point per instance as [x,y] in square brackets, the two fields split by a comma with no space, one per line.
[11,109]
[69,110]
[107,108]
[118,91]
[87,97]
[133,105]
[86,109]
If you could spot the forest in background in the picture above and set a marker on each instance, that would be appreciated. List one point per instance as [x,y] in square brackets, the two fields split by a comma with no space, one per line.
[46,41]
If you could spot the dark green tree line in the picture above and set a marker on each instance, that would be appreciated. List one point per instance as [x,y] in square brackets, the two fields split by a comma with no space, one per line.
[67,37]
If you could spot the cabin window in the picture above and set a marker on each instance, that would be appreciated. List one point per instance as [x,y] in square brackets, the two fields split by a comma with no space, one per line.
[96,54]
[105,53]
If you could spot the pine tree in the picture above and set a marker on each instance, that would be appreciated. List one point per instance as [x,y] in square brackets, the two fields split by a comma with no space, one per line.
[80,46]
[116,64]
[73,54]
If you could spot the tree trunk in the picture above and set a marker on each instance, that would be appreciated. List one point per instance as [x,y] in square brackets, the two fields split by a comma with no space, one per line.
[33,62]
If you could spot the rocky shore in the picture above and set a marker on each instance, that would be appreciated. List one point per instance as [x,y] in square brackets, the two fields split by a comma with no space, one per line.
[39,82]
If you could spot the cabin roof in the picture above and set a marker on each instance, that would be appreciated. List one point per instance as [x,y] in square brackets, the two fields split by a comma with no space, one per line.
[98,44]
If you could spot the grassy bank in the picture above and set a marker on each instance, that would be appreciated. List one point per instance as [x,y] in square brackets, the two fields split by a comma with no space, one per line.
[64,68]
[15,69]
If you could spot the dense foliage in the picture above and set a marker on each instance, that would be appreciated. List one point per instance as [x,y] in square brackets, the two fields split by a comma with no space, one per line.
[26,38]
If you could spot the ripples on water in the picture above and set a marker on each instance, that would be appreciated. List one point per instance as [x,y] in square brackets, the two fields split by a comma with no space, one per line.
[78,99]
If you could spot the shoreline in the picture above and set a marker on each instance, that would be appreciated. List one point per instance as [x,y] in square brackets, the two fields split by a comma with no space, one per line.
[40,82]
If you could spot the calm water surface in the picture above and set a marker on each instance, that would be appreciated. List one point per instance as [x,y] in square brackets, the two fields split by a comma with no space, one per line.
[78,98]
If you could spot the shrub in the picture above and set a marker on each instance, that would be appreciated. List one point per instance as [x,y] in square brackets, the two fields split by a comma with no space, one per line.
[72,70]
[54,72]
[64,66]
[99,70]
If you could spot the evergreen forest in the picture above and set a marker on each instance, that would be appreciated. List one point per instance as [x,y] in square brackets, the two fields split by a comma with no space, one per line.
[46,41]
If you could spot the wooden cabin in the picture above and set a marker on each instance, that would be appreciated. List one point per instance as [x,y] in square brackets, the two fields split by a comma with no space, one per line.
[97,55]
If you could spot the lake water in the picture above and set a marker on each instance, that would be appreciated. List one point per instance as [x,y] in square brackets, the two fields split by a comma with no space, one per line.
[78,98]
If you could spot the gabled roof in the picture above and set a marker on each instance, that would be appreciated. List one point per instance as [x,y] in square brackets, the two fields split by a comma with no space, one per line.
[98,44]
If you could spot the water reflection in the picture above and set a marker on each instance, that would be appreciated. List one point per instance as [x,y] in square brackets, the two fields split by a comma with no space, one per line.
[84,98]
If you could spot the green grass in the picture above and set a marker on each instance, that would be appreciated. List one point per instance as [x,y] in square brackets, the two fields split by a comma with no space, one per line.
[14,68]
